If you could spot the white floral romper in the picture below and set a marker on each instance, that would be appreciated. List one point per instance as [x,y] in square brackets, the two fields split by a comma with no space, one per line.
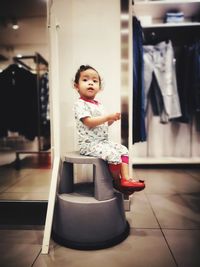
[94,141]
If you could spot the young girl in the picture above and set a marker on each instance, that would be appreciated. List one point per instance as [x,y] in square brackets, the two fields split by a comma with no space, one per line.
[92,127]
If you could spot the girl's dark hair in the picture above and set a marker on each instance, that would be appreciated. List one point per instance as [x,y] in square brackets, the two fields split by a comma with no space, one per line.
[83,68]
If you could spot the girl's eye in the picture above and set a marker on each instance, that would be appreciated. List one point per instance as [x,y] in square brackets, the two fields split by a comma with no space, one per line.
[85,80]
[95,81]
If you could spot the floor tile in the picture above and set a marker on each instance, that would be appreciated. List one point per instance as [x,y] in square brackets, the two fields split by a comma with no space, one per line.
[37,180]
[37,196]
[32,185]
[178,211]
[136,250]
[19,248]
[185,245]
[194,172]
[169,181]
[169,205]
[141,214]
[9,176]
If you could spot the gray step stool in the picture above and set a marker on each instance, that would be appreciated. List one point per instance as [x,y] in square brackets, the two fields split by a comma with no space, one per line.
[88,215]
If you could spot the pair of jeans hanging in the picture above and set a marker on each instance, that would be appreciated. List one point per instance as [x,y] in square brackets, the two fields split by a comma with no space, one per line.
[159,63]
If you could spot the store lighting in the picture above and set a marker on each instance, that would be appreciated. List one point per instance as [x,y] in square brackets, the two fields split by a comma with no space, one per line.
[124,17]
[124,31]
[15,25]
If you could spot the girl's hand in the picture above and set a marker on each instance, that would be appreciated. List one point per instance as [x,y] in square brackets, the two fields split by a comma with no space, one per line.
[114,117]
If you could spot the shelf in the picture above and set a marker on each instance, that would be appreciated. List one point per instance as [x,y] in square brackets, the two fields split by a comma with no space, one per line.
[159,2]
[165,160]
[161,24]
[154,12]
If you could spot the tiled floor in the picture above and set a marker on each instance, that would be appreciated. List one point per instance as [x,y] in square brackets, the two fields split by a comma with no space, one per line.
[30,182]
[164,220]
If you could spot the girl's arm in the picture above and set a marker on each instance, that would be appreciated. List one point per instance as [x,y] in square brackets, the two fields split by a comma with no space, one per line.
[110,122]
[96,121]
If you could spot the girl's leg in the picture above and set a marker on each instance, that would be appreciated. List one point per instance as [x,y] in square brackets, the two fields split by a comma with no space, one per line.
[115,170]
[111,152]
[126,182]
[124,171]
[125,167]
[121,180]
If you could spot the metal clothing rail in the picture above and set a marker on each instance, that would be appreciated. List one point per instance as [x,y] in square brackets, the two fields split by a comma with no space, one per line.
[37,59]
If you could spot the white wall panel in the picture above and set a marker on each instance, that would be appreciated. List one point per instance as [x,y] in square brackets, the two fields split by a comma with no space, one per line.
[87,32]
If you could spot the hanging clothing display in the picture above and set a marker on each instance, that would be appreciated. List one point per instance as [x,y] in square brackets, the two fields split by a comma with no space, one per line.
[44,105]
[3,107]
[139,131]
[188,80]
[168,79]
[183,67]
[19,105]
[196,83]
[20,100]
[160,76]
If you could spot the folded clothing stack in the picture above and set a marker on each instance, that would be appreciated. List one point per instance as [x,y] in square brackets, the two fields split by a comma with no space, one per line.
[174,16]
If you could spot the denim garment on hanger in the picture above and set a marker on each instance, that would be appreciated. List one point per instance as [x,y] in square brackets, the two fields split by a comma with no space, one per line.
[159,61]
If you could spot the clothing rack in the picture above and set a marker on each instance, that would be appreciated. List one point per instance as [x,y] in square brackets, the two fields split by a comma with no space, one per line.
[178,151]
[38,60]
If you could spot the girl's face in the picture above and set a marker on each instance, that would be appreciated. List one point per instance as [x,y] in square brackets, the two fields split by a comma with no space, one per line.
[89,84]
